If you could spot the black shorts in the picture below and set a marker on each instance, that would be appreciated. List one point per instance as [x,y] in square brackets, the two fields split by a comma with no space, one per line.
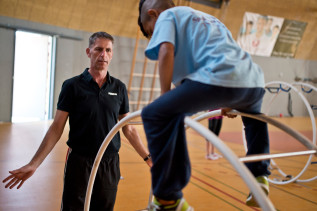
[76,177]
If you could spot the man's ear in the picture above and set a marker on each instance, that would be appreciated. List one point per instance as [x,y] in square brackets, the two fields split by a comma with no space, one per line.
[153,13]
[88,52]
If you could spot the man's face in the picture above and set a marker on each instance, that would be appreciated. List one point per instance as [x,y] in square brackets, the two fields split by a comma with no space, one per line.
[100,54]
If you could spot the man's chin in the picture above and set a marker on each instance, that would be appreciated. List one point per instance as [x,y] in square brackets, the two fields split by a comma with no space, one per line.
[102,67]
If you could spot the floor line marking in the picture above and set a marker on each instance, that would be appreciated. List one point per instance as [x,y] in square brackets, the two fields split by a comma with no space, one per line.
[222,199]
[227,194]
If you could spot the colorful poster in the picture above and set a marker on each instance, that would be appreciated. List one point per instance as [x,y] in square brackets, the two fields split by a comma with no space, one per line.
[259,33]
[289,38]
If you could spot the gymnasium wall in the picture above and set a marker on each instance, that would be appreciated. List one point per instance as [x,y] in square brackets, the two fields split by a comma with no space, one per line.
[71,60]
[290,71]
[119,17]
[6,72]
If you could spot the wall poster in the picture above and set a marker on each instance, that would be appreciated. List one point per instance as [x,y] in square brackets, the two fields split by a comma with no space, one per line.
[264,35]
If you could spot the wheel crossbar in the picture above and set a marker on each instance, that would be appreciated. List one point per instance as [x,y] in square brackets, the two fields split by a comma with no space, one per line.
[255,158]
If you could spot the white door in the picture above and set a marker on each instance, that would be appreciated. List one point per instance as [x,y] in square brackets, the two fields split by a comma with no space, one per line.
[31,81]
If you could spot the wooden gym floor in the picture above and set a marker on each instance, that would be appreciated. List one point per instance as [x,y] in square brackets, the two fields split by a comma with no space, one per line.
[214,185]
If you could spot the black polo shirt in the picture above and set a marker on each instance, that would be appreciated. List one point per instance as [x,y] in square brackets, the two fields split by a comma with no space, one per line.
[93,111]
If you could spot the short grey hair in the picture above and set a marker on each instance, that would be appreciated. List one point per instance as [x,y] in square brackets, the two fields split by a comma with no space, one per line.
[94,36]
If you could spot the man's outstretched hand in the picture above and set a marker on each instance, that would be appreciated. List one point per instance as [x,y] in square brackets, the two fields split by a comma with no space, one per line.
[19,176]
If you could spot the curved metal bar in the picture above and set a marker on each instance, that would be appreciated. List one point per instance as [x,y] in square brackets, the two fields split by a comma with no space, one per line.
[311,88]
[306,142]
[245,174]
[270,89]
[285,90]
[208,115]
[312,117]
[312,107]
[305,84]
[102,150]
[306,91]
[302,139]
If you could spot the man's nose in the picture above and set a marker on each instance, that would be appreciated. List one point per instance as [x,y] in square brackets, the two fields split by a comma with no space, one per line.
[104,54]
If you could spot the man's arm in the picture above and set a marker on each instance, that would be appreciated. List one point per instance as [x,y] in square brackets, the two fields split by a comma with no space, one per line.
[166,66]
[133,137]
[19,176]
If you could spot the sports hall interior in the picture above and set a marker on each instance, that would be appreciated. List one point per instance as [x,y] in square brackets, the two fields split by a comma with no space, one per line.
[215,184]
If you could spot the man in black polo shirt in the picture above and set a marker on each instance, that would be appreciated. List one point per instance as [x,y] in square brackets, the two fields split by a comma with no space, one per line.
[93,101]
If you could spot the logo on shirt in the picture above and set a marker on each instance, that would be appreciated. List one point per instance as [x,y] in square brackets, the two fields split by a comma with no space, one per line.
[111,93]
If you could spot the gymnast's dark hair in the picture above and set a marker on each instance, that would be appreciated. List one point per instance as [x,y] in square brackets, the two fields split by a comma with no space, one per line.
[139,19]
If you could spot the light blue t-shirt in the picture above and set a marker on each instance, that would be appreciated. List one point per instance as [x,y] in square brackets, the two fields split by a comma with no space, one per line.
[204,50]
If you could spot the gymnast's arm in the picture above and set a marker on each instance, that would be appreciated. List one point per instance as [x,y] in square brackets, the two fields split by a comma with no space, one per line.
[19,176]
[134,138]
[166,66]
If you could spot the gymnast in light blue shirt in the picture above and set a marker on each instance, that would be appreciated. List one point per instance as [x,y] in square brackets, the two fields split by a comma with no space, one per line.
[197,53]
[204,50]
